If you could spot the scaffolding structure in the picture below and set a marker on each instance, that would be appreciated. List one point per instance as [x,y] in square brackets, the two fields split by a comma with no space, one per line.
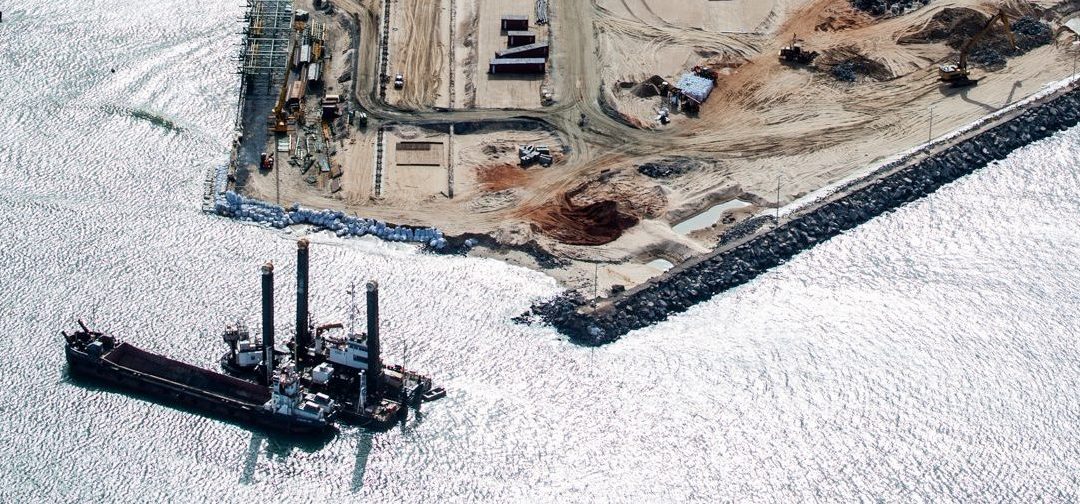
[267,44]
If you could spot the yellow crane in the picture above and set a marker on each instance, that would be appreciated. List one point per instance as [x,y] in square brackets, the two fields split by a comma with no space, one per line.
[281,119]
[956,74]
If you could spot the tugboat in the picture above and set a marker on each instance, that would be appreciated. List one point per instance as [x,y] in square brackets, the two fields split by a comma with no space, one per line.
[283,407]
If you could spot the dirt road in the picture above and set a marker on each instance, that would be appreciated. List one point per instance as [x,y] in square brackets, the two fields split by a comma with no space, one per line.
[764,120]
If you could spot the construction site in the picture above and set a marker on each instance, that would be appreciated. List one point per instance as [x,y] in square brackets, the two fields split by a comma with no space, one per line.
[606,142]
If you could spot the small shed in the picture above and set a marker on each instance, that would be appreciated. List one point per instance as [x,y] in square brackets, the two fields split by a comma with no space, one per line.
[518,66]
[538,50]
[520,38]
[514,22]
[314,73]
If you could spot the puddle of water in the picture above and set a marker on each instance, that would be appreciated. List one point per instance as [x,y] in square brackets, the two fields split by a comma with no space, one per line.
[660,264]
[708,217]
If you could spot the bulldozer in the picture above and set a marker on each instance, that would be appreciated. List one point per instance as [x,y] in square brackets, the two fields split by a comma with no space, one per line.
[795,54]
[957,74]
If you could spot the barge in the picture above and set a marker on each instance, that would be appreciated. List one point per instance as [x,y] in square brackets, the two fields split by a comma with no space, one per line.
[331,360]
[283,406]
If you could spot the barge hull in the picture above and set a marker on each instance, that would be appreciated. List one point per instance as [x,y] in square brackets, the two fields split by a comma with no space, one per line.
[154,375]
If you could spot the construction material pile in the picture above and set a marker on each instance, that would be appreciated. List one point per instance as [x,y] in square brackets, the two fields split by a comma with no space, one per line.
[593,224]
[234,205]
[1031,33]
[668,167]
[541,12]
[695,87]
[956,26]
[888,7]
[529,154]
[847,64]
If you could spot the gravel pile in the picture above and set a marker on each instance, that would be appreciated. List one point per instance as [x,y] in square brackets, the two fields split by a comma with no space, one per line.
[844,72]
[669,167]
[888,7]
[678,292]
[1031,33]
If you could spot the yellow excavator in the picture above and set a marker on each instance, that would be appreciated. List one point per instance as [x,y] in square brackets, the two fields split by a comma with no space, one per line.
[956,74]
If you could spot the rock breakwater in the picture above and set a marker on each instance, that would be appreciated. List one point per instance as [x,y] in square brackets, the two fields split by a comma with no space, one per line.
[902,182]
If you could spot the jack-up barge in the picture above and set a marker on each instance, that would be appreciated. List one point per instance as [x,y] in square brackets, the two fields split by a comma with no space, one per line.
[304,390]
[334,362]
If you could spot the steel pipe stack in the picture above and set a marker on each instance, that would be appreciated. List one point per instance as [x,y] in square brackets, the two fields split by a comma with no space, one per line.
[374,369]
[268,320]
[303,337]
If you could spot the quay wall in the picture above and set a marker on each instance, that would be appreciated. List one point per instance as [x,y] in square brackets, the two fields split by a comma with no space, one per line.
[738,261]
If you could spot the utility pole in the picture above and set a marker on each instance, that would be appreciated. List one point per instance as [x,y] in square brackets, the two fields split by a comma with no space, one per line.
[930,135]
[777,199]
[1075,43]
[595,279]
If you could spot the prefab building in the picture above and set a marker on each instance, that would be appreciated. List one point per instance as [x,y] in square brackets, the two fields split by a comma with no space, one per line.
[518,66]
[538,50]
[520,38]
[515,23]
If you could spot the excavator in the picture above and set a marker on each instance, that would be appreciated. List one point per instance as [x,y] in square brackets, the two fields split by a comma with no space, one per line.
[956,74]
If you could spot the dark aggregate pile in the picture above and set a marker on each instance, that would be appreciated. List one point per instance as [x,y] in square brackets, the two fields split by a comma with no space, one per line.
[847,64]
[677,292]
[668,167]
[844,72]
[890,7]
[1031,33]
[987,57]
[463,243]
[991,52]
[743,229]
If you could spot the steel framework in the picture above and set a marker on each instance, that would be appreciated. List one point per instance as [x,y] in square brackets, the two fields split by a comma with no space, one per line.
[264,52]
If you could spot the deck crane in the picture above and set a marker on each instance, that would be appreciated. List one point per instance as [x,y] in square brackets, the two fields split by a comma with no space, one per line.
[956,74]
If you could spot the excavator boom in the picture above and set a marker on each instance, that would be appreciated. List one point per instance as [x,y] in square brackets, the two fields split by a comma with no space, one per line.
[986,29]
[957,74]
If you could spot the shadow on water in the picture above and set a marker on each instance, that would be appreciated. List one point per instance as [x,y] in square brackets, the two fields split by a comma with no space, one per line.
[252,458]
[157,120]
[363,450]
[279,444]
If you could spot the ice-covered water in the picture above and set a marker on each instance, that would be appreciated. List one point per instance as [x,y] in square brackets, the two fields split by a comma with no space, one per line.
[931,354]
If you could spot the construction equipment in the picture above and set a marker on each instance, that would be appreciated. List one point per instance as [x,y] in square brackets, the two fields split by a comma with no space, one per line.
[795,54]
[266,161]
[281,119]
[956,74]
